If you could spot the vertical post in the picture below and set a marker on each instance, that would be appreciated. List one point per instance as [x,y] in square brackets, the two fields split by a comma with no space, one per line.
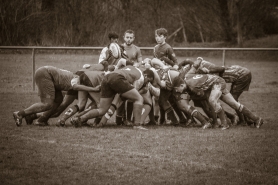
[33,68]
[223,57]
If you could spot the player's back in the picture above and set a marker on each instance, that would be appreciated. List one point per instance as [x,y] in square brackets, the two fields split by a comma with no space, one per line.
[234,72]
[61,78]
[95,77]
[131,73]
[200,81]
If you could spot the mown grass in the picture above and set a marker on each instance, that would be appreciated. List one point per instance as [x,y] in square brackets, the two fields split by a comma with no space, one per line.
[121,155]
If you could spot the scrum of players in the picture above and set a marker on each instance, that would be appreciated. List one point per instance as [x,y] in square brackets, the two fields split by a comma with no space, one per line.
[160,90]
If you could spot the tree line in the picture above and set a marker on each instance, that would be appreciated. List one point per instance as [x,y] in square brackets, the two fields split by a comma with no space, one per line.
[88,22]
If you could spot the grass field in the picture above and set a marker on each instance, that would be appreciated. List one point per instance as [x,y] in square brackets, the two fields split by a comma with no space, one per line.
[121,155]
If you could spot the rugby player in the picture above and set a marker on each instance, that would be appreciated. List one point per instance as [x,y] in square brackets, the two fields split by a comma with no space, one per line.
[239,77]
[90,79]
[213,88]
[125,82]
[51,81]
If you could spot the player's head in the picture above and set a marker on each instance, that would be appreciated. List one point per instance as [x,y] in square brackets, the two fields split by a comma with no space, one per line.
[179,84]
[148,75]
[129,37]
[160,35]
[113,37]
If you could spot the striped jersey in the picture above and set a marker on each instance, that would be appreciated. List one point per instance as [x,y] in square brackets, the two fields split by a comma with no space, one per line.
[234,73]
[200,82]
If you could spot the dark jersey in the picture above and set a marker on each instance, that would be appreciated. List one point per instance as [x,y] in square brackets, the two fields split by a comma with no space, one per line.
[95,77]
[200,82]
[165,50]
[234,73]
[132,74]
[61,78]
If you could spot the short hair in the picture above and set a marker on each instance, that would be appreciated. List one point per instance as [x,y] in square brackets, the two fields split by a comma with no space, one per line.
[130,31]
[161,31]
[113,35]
[149,73]
[177,81]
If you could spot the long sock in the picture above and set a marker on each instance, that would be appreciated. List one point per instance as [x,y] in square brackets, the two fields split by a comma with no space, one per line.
[70,112]
[152,116]
[89,115]
[162,116]
[107,115]
[119,120]
[129,110]
[171,115]
[246,112]
[179,113]
[137,111]
[199,117]
[145,112]
[222,117]
[156,118]
[240,116]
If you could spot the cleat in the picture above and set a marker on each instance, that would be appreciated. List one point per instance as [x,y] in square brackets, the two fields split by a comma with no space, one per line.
[139,127]
[75,121]
[225,127]
[17,118]
[61,123]
[259,123]
[38,123]
[207,125]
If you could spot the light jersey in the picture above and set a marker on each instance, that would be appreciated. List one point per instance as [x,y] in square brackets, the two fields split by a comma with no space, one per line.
[133,52]
[103,56]
[133,75]
[61,78]
[165,50]
[233,73]
[197,82]
[95,77]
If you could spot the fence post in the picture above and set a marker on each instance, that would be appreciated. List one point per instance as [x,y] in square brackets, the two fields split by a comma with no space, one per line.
[33,68]
[223,57]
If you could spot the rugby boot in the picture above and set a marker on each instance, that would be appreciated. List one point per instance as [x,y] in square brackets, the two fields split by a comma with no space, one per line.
[259,123]
[76,121]
[17,118]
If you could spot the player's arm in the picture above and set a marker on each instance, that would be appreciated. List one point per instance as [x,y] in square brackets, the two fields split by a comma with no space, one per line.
[185,62]
[139,55]
[191,71]
[212,69]
[172,58]
[75,83]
